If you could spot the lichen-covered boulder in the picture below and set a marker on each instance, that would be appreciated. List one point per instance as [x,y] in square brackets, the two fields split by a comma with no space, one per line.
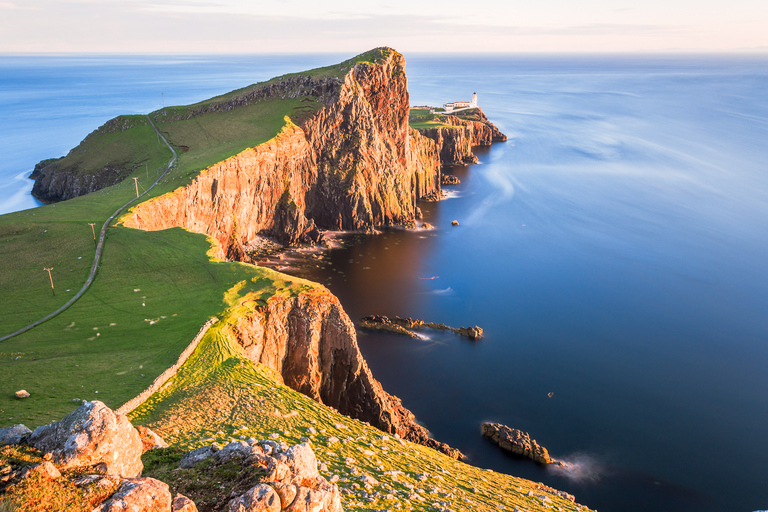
[303,463]
[261,498]
[92,434]
[13,435]
[139,495]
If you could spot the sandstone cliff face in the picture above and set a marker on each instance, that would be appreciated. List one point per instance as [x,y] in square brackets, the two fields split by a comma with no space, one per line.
[353,165]
[454,145]
[311,343]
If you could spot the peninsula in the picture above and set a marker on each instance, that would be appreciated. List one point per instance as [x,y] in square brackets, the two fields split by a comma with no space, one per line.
[335,148]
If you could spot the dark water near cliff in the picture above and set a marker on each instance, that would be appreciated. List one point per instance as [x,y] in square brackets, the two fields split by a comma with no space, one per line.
[614,251]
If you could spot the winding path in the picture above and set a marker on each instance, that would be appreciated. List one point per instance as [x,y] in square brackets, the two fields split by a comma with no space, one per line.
[100,245]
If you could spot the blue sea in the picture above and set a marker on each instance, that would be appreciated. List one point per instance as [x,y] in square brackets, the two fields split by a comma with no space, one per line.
[615,251]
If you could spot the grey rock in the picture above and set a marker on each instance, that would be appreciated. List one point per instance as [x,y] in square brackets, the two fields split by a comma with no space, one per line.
[13,435]
[195,457]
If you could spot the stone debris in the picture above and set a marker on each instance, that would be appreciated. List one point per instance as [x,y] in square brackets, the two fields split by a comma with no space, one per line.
[92,434]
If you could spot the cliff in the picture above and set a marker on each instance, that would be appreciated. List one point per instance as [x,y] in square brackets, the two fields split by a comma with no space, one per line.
[311,344]
[469,128]
[354,164]
[104,158]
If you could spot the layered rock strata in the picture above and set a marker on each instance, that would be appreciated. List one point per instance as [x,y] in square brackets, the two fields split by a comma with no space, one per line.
[353,165]
[311,343]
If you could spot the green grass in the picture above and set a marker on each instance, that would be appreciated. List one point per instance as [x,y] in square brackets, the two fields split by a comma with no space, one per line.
[220,396]
[420,119]
[152,294]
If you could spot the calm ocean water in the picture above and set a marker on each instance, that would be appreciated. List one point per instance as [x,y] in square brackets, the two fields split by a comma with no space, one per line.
[614,251]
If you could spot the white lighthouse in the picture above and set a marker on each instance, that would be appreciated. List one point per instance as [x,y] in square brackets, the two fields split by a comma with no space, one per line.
[474,99]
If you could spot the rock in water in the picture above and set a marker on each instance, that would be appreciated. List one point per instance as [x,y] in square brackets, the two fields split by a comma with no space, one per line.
[92,434]
[517,441]
[455,223]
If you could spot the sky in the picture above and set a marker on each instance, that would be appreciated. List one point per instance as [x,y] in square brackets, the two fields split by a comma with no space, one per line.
[304,26]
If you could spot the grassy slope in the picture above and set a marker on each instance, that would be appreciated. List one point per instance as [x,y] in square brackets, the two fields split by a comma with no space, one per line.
[220,396]
[420,119]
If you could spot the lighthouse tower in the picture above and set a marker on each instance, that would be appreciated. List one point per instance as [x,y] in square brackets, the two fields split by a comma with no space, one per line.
[474,99]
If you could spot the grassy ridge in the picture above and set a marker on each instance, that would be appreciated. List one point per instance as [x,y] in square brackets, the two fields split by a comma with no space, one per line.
[220,396]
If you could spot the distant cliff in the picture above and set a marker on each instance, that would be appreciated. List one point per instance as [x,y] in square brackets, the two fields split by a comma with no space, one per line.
[470,128]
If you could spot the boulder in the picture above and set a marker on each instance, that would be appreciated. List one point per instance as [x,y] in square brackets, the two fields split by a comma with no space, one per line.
[13,435]
[324,497]
[46,469]
[183,504]
[517,441]
[261,498]
[139,495]
[454,223]
[92,434]
[237,450]
[195,457]
[22,393]
[303,463]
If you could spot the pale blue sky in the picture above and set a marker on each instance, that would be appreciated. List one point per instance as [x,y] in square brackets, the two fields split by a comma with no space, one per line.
[240,26]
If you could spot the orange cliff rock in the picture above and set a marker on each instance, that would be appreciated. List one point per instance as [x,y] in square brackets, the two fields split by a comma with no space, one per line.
[311,344]
[354,164]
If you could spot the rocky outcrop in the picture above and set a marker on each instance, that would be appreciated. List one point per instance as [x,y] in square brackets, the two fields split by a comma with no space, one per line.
[92,435]
[311,343]
[517,442]
[470,128]
[403,326]
[353,165]
[59,179]
[292,481]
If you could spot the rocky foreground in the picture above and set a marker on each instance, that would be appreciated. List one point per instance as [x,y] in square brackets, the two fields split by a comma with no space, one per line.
[95,454]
